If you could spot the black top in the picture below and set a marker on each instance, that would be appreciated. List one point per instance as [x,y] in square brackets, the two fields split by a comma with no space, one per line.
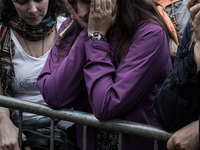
[177,102]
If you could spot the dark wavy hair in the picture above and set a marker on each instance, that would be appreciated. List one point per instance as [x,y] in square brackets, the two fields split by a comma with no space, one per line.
[8,11]
[131,12]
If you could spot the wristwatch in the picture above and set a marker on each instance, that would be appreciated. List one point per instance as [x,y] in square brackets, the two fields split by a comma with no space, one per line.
[98,36]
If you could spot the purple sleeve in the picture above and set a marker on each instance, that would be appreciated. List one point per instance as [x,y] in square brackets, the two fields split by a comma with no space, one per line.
[61,79]
[115,91]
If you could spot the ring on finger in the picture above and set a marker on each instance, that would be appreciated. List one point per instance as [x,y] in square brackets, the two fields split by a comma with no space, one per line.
[97,9]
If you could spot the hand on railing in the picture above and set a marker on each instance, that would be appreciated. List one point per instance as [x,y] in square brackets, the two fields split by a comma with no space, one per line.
[8,132]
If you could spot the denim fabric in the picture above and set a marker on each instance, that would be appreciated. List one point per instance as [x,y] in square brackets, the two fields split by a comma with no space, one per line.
[182,15]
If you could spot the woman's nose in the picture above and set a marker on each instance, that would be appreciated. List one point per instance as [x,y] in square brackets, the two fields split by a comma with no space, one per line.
[32,8]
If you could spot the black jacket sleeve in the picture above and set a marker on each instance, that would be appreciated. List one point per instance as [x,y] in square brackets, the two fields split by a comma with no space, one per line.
[177,102]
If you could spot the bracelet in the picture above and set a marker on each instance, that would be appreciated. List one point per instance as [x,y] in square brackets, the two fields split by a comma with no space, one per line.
[98,36]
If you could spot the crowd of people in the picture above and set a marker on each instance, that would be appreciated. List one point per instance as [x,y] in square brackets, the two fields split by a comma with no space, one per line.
[136,60]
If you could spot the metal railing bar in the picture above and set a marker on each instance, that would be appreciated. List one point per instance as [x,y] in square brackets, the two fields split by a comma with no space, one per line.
[52,134]
[84,137]
[87,119]
[155,145]
[20,129]
[120,141]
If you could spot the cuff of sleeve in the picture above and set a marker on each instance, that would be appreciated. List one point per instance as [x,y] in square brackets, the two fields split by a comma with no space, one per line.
[83,34]
[99,45]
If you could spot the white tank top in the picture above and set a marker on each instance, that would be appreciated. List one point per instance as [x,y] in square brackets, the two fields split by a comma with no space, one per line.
[27,69]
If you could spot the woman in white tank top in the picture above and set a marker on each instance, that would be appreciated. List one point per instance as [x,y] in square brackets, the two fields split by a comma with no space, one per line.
[27,33]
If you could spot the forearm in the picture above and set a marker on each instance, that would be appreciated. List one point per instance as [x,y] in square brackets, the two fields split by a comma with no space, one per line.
[4,112]
[60,82]
[197,55]
[61,88]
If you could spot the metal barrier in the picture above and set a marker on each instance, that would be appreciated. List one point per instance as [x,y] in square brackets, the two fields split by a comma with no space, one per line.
[86,119]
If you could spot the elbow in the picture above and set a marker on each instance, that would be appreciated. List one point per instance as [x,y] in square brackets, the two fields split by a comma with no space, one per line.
[106,109]
[48,95]
[52,103]
[57,101]
[102,115]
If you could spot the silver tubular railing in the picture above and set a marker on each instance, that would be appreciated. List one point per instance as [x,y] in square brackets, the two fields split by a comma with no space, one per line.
[86,119]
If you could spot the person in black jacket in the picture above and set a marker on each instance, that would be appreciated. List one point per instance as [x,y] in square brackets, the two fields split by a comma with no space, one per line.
[177,104]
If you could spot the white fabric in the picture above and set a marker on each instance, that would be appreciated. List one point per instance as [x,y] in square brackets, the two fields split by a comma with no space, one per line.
[27,69]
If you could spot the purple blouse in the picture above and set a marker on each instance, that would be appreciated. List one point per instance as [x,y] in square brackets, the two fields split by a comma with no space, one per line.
[88,81]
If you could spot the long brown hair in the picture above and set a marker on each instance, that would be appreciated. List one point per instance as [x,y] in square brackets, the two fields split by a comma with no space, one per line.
[131,12]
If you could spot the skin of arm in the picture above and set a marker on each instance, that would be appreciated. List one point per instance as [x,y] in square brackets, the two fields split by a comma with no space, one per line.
[9,133]
[197,55]
[102,20]
[74,15]
[194,7]
[187,138]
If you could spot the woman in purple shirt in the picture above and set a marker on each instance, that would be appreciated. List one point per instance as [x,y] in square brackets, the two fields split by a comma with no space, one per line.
[110,58]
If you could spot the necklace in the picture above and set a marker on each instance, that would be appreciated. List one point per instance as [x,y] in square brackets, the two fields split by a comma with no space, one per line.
[30,50]
[175,23]
[174,19]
